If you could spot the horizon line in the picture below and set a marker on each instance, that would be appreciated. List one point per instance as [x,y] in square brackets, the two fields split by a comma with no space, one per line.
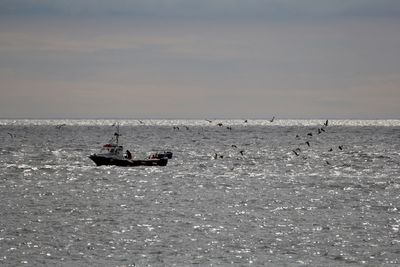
[203,118]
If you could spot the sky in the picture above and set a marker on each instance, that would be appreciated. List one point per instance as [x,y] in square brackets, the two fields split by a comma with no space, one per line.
[250,59]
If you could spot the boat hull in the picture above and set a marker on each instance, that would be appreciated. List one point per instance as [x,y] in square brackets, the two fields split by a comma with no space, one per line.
[166,154]
[101,160]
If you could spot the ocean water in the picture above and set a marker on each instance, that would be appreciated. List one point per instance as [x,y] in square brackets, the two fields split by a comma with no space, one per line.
[257,204]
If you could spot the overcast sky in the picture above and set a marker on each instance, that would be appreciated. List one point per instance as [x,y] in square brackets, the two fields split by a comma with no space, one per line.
[200,59]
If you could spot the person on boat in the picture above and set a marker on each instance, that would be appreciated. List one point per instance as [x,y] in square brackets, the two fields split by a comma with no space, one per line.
[128,154]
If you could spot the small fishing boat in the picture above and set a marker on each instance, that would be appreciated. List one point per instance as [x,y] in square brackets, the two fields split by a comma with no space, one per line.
[113,154]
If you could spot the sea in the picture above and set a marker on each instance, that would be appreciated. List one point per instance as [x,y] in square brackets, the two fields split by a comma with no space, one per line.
[235,193]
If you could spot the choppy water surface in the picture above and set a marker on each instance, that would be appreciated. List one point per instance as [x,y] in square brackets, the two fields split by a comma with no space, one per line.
[267,207]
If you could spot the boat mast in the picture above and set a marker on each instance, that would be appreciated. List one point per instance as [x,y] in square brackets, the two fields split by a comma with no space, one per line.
[117,134]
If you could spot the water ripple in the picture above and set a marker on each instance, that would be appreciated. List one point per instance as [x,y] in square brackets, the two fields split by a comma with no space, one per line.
[264,206]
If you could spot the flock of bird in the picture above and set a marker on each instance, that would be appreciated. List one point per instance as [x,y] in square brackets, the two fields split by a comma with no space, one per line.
[241,152]
[321,130]
[297,151]
[219,124]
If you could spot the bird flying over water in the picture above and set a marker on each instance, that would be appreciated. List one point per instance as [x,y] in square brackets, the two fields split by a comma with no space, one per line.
[272,120]
[326,123]
[308,143]
[60,126]
[296,151]
[216,156]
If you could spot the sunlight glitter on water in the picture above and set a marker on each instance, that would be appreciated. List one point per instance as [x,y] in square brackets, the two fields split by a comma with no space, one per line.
[265,205]
[194,122]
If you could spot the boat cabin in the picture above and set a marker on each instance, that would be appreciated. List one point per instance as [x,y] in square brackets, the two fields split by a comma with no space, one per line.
[112,149]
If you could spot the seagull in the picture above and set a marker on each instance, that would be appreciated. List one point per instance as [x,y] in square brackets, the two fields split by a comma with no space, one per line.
[229,128]
[209,121]
[319,131]
[340,147]
[308,143]
[330,150]
[272,120]
[241,152]
[141,122]
[327,162]
[322,129]
[309,134]
[220,124]
[295,152]
[12,135]
[326,123]
[60,126]
[234,146]
[216,156]
[245,121]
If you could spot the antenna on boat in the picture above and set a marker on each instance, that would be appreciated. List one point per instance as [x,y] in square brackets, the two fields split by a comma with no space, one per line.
[117,134]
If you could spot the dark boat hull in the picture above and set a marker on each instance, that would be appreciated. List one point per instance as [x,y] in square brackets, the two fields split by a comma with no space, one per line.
[101,160]
[166,154]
